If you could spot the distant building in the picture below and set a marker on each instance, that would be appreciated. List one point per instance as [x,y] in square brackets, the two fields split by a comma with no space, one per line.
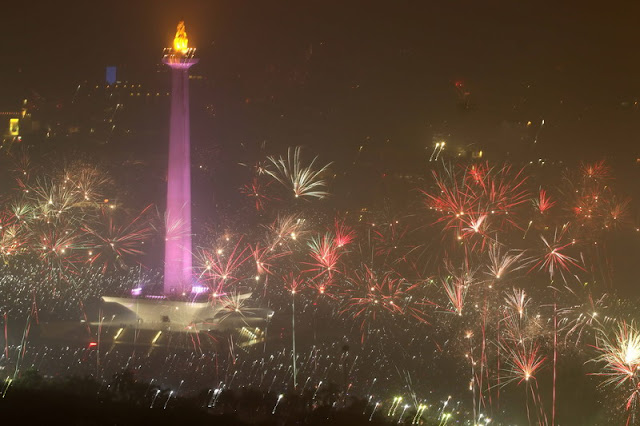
[111,75]
[17,123]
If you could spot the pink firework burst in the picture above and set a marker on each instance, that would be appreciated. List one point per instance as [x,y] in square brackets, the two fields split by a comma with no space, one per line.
[325,254]
[344,235]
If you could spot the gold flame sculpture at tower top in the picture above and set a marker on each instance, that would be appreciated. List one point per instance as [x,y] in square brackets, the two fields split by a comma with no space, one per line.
[180,53]
[180,41]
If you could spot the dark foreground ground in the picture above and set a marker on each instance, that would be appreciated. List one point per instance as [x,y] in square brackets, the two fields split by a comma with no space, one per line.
[33,399]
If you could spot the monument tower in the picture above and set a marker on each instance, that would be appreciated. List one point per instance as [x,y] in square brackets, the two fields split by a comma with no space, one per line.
[178,250]
[158,312]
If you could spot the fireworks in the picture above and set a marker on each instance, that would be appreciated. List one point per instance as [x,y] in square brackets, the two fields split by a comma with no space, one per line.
[63,219]
[114,243]
[543,203]
[344,235]
[221,268]
[377,300]
[620,355]
[523,361]
[234,305]
[375,280]
[583,313]
[598,171]
[457,284]
[257,191]
[283,230]
[517,301]
[303,181]
[324,251]
[554,260]
[501,262]
[478,201]
[264,258]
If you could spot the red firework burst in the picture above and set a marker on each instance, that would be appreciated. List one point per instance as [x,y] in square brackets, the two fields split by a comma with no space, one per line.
[554,260]
[221,269]
[373,299]
[596,171]
[543,203]
[466,202]
[523,360]
[112,244]
[256,190]
[264,258]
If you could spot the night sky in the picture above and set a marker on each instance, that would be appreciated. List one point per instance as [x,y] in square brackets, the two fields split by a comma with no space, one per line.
[339,73]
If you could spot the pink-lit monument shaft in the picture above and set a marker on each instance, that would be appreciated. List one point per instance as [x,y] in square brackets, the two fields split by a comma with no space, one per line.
[178,251]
